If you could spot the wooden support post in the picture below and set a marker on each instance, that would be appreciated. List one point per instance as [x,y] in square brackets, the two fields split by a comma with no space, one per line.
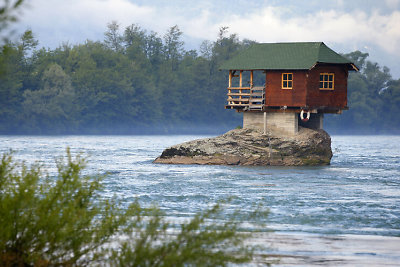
[265,123]
[230,79]
[241,79]
[251,78]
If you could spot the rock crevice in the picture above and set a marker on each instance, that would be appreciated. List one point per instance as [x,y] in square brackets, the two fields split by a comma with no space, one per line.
[250,147]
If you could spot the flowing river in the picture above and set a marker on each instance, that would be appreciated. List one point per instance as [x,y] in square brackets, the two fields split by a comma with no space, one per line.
[345,214]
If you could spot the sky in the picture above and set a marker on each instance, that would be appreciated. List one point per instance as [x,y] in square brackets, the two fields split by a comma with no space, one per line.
[371,26]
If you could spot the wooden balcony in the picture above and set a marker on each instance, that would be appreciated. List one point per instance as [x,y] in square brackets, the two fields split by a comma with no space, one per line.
[246,98]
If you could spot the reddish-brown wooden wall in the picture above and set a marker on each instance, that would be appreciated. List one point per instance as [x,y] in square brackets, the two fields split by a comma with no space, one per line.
[337,97]
[306,92]
[275,96]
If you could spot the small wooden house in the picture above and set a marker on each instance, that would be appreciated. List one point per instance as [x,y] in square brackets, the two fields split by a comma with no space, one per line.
[284,85]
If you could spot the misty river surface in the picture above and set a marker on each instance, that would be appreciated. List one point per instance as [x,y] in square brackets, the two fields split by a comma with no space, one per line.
[347,213]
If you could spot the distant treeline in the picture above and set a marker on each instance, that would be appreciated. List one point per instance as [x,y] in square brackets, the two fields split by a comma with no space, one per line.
[138,82]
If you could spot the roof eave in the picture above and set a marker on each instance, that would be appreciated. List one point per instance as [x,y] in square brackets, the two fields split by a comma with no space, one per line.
[351,66]
[249,69]
[354,67]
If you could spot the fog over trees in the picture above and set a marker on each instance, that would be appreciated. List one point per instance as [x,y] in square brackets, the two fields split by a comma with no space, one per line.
[137,81]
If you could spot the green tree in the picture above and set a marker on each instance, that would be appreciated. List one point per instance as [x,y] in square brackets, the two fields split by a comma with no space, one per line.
[173,46]
[377,77]
[224,48]
[112,88]
[135,36]
[11,87]
[51,107]
[391,99]
[113,38]
[154,49]
[206,49]
[28,43]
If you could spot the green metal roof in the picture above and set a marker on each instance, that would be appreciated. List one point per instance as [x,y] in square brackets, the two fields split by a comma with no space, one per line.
[285,56]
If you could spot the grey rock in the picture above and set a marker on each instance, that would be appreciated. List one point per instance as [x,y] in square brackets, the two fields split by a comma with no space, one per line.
[251,147]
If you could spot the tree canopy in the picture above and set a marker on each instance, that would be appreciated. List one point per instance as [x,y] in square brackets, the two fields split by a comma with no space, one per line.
[139,82]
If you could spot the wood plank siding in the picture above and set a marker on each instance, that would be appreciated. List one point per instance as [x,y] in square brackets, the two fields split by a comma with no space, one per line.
[336,98]
[305,91]
[275,96]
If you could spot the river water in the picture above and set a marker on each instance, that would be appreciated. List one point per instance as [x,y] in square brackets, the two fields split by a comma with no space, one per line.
[345,214]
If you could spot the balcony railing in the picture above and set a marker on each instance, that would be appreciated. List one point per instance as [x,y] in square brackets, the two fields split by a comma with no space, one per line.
[238,97]
[246,98]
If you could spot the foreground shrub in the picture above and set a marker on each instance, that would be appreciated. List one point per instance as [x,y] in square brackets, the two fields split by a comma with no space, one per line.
[53,220]
[63,220]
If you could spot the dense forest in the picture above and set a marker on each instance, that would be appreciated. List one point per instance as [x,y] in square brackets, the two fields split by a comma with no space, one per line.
[141,82]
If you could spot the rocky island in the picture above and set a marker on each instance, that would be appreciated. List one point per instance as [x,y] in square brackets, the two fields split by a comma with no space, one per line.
[283,91]
[253,148]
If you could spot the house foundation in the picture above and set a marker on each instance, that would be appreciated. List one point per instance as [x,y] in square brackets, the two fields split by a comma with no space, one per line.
[276,121]
[283,122]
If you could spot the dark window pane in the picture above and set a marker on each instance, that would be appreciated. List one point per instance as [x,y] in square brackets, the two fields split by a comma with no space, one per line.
[290,76]
[325,84]
[330,85]
[285,76]
[321,85]
[284,84]
[290,84]
[330,78]
[321,77]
